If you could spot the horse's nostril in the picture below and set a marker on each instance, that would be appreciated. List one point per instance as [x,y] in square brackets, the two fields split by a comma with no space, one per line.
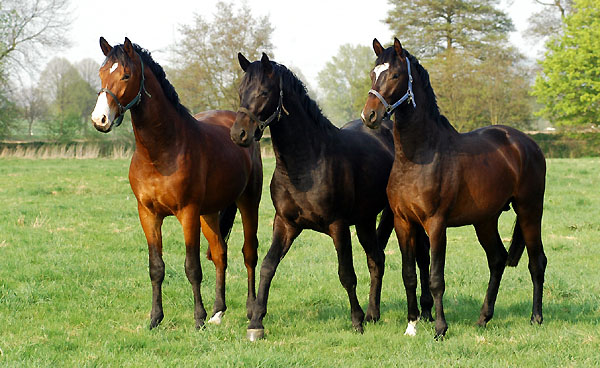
[104,119]
[242,134]
[372,116]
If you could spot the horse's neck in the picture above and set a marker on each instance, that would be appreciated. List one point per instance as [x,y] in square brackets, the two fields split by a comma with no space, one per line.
[154,123]
[418,136]
[298,141]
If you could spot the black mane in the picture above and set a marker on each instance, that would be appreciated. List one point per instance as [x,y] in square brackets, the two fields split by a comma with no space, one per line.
[431,100]
[118,52]
[294,86]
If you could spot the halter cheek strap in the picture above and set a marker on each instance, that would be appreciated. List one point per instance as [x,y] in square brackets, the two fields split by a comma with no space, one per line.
[136,100]
[262,125]
[409,95]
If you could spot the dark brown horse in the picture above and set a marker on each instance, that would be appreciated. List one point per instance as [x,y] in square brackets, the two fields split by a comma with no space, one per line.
[325,179]
[441,179]
[183,165]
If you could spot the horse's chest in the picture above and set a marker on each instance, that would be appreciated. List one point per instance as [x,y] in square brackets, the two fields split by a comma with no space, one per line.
[306,209]
[159,194]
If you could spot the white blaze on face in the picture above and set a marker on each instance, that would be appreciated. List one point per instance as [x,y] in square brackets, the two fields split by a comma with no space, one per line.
[380,69]
[102,116]
[114,67]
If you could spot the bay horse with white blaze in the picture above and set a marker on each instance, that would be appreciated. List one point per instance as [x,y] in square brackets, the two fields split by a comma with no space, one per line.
[442,178]
[183,165]
[325,179]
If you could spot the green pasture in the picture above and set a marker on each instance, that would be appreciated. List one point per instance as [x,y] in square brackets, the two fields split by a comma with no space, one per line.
[75,290]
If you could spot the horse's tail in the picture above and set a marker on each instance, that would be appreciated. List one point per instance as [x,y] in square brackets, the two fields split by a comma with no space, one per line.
[226,218]
[517,245]
[385,227]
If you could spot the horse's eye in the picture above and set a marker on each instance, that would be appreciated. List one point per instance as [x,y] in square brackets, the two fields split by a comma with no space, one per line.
[395,76]
[125,77]
[264,93]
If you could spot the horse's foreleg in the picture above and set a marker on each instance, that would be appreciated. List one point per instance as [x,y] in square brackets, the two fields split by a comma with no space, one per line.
[151,224]
[283,236]
[407,242]
[190,221]
[340,232]
[218,251]
[422,252]
[437,237]
[250,250]
[367,236]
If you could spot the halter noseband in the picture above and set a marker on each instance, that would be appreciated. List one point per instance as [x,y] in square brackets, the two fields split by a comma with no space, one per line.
[409,95]
[262,125]
[136,100]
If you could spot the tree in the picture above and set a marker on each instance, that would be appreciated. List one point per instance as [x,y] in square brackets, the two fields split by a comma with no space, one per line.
[548,21]
[569,84]
[429,27]
[345,82]
[28,28]
[88,69]
[70,98]
[33,106]
[206,71]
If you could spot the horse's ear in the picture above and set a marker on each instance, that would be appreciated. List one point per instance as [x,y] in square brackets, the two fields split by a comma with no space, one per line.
[128,47]
[266,63]
[244,63]
[377,47]
[398,47]
[105,46]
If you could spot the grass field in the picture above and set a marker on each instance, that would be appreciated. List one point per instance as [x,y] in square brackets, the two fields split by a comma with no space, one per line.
[75,291]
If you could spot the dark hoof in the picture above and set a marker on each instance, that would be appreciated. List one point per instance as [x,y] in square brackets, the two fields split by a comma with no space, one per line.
[155,321]
[359,328]
[537,320]
[440,332]
[426,316]
[254,334]
[372,317]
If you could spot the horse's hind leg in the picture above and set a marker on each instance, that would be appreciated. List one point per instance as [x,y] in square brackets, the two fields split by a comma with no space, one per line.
[487,233]
[249,212]
[367,237]
[151,224]
[530,220]
[340,232]
[218,251]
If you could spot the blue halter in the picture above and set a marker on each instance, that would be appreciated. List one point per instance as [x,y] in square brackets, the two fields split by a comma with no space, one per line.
[409,95]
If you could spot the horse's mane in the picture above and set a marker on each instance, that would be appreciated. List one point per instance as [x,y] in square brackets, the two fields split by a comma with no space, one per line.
[431,100]
[293,85]
[119,53]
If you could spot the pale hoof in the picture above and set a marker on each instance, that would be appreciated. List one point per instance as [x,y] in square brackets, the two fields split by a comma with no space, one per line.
[254,334]
[411,329]
[217,318]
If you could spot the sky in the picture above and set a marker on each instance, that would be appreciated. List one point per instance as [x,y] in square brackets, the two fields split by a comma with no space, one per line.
[306,33]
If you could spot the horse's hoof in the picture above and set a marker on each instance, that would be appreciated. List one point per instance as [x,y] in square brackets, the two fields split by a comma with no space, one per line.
[411,329]
[427,316]
[154,322]
[537,319]
[217,318]
[372,317]
[254,334]
[359,329]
